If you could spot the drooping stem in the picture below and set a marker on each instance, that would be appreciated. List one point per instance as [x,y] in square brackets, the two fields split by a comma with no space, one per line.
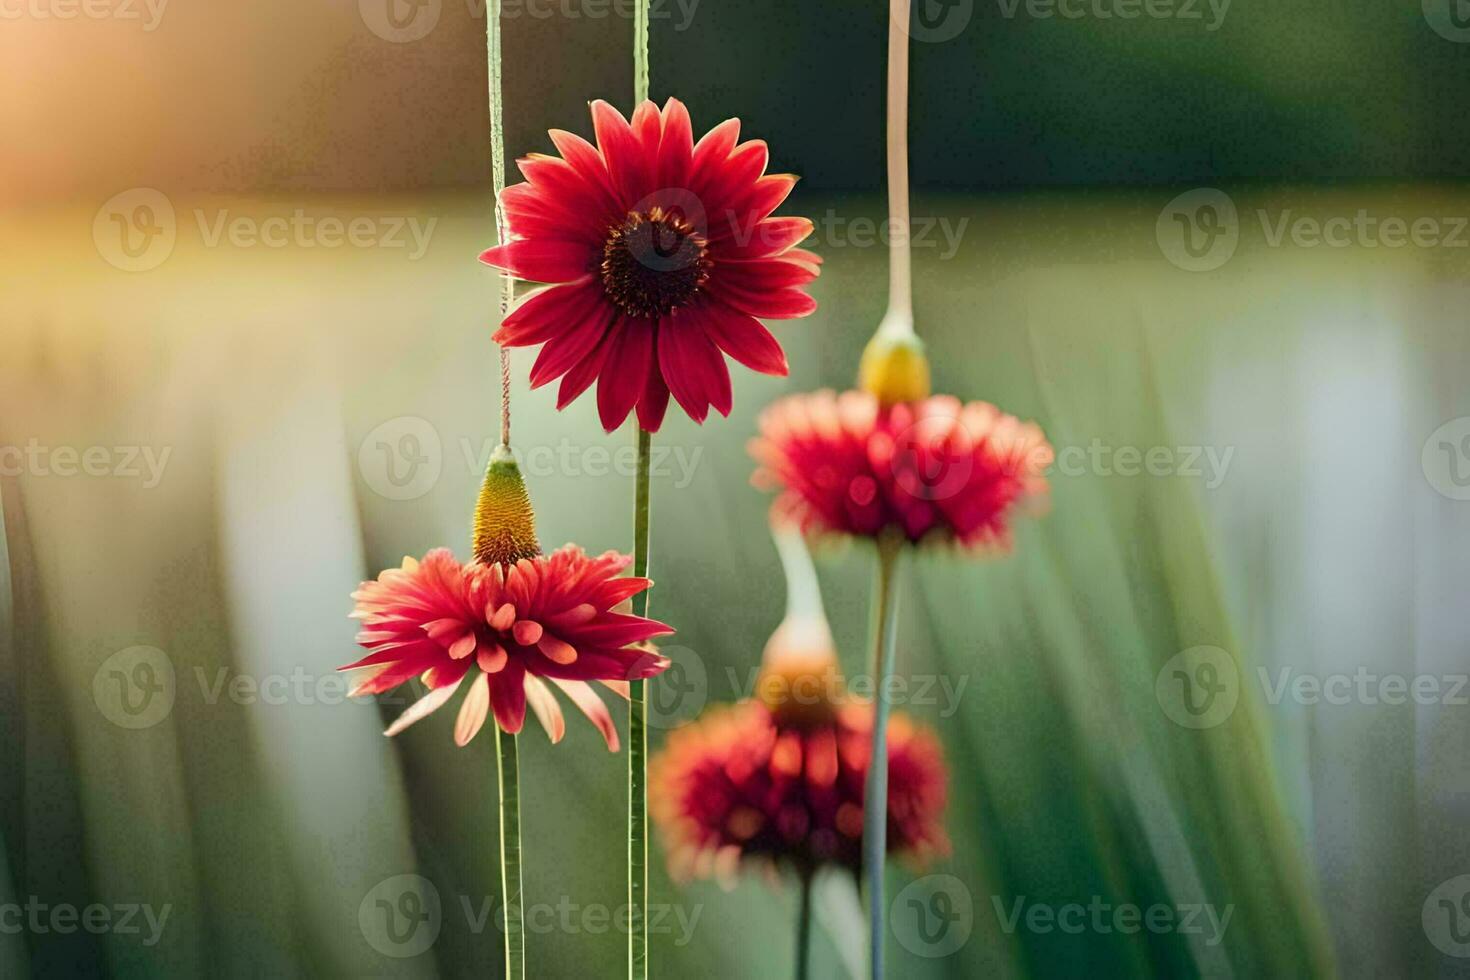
[497,168]
[875,798]
[900,261]
[804,928]
[638,736]
[507,764]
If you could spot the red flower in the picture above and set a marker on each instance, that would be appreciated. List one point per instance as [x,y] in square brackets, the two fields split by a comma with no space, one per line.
[505,627]
[662,253]
[934,469]
[743,783]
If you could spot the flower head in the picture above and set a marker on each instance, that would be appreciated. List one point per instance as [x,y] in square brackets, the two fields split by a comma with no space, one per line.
[931,470]
[504,630]
[661,254]
[782,778]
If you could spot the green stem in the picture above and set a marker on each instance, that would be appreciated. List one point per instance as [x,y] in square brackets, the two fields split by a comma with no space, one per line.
[875,799]
[804,928]
[638,738]
[640,52]
[507,764]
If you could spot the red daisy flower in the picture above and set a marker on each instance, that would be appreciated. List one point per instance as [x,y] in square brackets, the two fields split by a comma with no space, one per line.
[782,779]
[662,254]
[933,469]
[507,628]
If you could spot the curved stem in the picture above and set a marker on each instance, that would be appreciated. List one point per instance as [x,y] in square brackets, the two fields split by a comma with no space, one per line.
[507,764]
[900,260]
[804,928]
[875,798]
[638,737]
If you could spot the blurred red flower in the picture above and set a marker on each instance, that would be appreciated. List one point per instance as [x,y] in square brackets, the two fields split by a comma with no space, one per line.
[935,469]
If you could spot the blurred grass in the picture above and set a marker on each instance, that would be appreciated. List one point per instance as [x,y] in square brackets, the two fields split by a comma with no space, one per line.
[265,825]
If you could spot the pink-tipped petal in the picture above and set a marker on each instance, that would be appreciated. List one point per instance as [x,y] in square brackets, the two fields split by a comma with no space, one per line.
[591,705]
[473,712]
[420,709]
[547,711]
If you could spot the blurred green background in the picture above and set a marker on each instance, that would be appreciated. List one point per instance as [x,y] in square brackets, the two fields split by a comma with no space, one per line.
[313,412]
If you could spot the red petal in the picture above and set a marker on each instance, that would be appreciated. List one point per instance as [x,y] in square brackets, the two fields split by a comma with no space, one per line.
[508,697]
[543,259]
[626,372]
[767,237]
[655,399]
[744,338]
[676,148]
[543,313]
[584,158]
[566,350]
[693,366]
[624,155]
[783,304]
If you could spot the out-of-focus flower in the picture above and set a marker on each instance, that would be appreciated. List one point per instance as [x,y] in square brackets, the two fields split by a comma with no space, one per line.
[505,624]
[934,470]
[662,253]
[780,779]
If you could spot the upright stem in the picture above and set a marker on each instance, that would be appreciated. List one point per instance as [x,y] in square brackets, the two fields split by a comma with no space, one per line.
[640,52]
[638,737]
[900,262]
[875,798]
[804,928]
[497,176]
[507,765]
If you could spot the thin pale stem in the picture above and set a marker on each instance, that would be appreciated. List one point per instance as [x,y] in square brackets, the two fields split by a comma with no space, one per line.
[900,260]
[875,799]
[497,168]
[640,52]
[638,736]
[507,764]
[804,928]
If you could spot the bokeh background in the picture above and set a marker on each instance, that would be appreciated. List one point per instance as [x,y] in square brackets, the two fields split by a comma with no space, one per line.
[219,411]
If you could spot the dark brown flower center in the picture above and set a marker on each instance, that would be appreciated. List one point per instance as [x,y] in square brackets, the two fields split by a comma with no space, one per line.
[653,262]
